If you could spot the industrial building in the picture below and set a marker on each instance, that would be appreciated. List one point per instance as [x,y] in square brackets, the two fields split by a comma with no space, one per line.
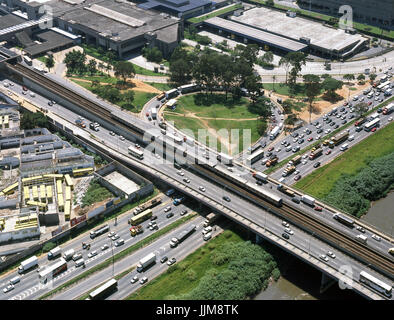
[321,40]
[377,12]
[120,26]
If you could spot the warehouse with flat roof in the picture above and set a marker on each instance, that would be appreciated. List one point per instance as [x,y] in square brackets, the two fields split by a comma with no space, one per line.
[322,40]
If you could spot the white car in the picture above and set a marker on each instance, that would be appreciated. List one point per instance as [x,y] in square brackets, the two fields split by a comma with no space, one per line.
[111,234]
[289,231]
[278,149]
[295,139]
[323,257]
[318,137]
[134,279]
[304,161]
[201,188]
[377,238]
[112,133]
[115,237]
[105,247]
[32,94]
[331,254]
[296,172]
[92,254]
[284,223]
[166,209]
[181,173]
[390,119]
[304,156]
[8,288]
[327,131]
[121,138]
[207,230]
[143,280]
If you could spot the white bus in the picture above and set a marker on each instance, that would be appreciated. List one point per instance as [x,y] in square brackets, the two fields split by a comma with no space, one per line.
[274,133]
[372,124]
[255,157]
[104,290]
[136,152]
[376,284]
[382,85]
[52,271]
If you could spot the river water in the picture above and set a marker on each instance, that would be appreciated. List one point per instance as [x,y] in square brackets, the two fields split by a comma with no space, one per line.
[300,281]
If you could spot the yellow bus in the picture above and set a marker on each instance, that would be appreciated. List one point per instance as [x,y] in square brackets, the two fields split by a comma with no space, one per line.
[31,179]
[35,192]
[68,193]
[60,201]
[82,172]
[5,121]
[69,181]
[59,186]
[49,194]
[26,193]
[54,175]
[67,210]
[41,206]
[141,217]
[42,193]
[10,189]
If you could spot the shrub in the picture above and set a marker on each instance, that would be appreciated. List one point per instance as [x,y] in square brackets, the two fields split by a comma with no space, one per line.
[48,246]
[191,275]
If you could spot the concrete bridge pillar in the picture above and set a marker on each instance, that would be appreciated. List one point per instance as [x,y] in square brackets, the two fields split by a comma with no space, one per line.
[326,282]
[259,239]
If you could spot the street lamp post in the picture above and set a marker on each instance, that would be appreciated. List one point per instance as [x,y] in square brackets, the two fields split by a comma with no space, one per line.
[113,262]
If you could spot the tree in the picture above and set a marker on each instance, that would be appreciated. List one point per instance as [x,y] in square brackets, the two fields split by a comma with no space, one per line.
[50,62]
[312,89]
[262,107]
[75,61]
[152,54]
[290,120]
[124,69]
[331,85]
[92,66]
[180,72]
[360,77]
[372,77]
[254,86]
[287,106]
[296,60]
[349,77]
[360,109]
[285,63]
[128,96]
[247,53]
[273,82]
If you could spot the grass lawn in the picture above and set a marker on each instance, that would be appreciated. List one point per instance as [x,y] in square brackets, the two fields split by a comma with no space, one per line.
[214,14]
[321,181]
[218,108]
[283,89]
[42,59]
[161,86]
[175,283]
[146,72]
[101,79]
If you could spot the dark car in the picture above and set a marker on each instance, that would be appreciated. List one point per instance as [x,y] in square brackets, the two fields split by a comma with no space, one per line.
[342,109]
[259,182]
[344,121]
[297,177]
[358,129]
[226,198]
[263,144]
[294,134]
[337,126]
[316,123]
[319,131]
[153,218]
[169,215]
[269,154]
[295,199]
[332,124]
[328,120]
[317,164]
[379,110]
[301,141]
[285,235]
[351,116]
[164,259]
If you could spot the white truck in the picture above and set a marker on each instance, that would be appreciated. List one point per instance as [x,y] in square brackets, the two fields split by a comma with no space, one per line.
[225,159]
[146,262]
[275,131]
[260,176]
[308,200]
[210,219]
[28,264]
[362,238]
[68,254]
[54,253]
[154,113]
[182,236]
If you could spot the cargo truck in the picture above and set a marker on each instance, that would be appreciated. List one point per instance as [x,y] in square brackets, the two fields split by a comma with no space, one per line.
[225,159]
[52,271]
[308,200]
[182,236]
[285,190]
[388,109]
[362,238]
[260,176]
[134,230]
[68,254]
[145,262]
[210,219]
[99,231]
[54,253]
[154,113]
[288,171]
[315,154]
[80,123]
[273,160]
[337,139]
[296,160]
[28,264]
[178,201]
[360,122]
[274,132]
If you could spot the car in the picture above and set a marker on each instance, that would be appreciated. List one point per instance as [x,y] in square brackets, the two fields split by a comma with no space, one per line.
[187,180]
[328,120]
[119,242]
[296,172]
[294,134]
[296,200]
[377,238]
[144,280]
[361,229]
[278,149]
[373,129]
[351,116]
[169,215]
[369,103]
[297,177]
[377,99]
[377,94]
[164,259]
[92,254]
[331,254]
[390,119]
[344,121]
[226,198]
[134,279]
[166,209]
[171,261]
[269,154]
[154,217]
[154,227]
[328,152]
[323,257]
[111,234]
[152,223]
[327,131]
[50,103]
[104,247]
[289,231]
[305,156]
[358,129]
[342,109]
[318,137]
[183,212]
[77,256]
[8,288]
[380,110]
[296,148]
[317,208]
[137,146]
[270,148]
[317,164]
[295,139]
[332,124]
[201,188]
[112,133]
[319,131]
[304,161]
[285,224]
[301,141]
[337,126]
[286,236]
[310,139]
[24,88]
[121,138]
[346,103]
[115,237]
[259,182]
[181,173]
[301,136]
[283,142]
[32,94]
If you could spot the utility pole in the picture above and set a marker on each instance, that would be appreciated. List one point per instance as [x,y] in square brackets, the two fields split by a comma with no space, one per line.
[113,262]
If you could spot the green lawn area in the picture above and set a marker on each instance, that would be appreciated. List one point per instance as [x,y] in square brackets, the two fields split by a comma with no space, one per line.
[321,181]
[218,108]
[95,193]
[285,90]
[146,72]
[161,86]
[175,283]
[101,79]
[42,59]
[214,14]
